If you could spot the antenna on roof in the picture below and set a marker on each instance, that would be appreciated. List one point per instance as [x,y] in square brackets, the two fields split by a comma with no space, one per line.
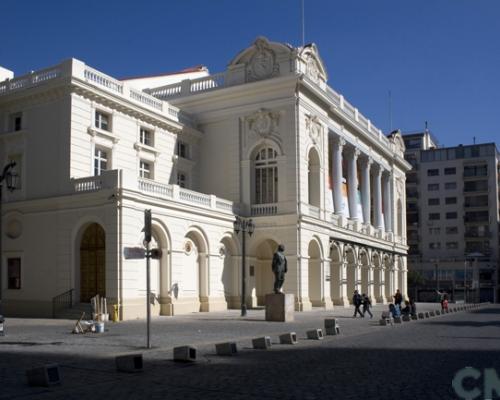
[474,139]
[426,127]
[303,24]
[390,111]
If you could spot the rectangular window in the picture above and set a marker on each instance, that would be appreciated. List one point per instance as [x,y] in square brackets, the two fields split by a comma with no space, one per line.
[182,149]
[100,161]
[145,170]
[451,245]
[434,245]
[102,121]
[450,185]
[475,170]
[476,201]
[476,186]
[450,171]
[432,172]
[450,200]
[433,202]
[182,179]
[451,215]
[431,187]
[434,216]
[434,231]
[451,230]
[16,122]
[14,273]
[146,137]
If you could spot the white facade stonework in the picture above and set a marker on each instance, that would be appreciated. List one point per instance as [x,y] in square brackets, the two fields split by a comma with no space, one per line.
[266,139]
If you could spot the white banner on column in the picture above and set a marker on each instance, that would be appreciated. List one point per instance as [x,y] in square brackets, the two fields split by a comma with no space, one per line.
[359,206]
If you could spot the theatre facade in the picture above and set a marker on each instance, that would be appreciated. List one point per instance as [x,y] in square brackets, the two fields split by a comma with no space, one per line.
[266,139]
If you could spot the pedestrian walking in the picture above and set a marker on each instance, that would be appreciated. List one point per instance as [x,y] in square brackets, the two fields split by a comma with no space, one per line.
[357,301]
[367,303]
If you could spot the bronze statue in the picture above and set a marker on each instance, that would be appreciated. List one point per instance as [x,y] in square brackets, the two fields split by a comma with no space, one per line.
[279,268]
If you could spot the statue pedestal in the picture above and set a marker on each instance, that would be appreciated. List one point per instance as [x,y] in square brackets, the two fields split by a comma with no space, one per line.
[280,307]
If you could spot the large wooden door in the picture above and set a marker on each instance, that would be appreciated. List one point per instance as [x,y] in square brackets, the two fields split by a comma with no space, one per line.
[92,263]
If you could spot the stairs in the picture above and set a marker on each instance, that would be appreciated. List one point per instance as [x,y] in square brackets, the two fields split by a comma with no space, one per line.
[74,312]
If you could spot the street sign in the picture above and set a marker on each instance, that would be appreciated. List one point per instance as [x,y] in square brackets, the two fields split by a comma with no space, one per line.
[134,253]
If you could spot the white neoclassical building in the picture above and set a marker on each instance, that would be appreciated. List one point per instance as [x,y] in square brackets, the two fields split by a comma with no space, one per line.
[266,139]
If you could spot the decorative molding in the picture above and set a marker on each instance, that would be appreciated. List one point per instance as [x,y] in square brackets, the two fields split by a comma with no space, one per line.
[264,123]
[92,131]
[263,63]
[314,128]
[312,69]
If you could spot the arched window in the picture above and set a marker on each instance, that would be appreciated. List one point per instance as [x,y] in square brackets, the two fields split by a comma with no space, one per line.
[266,176]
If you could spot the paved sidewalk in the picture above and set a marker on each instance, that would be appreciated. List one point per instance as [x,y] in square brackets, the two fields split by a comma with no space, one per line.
[87,361]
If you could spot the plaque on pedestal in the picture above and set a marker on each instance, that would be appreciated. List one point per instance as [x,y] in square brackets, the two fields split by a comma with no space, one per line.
[280,307]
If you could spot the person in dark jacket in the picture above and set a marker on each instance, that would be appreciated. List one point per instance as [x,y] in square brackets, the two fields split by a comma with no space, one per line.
[357,301]
[398,298]
[280,268]
[367,303]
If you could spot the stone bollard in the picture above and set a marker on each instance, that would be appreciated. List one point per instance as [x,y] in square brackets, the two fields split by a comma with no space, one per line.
[129,363]
[406,318]
[332,326]
[226,349]
[427,314]
[288,338]
[261,343]
[432,314]
[414,317]
[185,353]
[315,334]
[421,315]
[45,375]
[398,320]
[438,312]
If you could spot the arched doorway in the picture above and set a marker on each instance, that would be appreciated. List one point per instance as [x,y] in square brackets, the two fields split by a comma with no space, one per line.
[351,272]
[231,274]
[365,273]
[388,279]
[336,275]
[92,263]
[314,267]
[314,178]
[195,270]
[377,279]
[260,276]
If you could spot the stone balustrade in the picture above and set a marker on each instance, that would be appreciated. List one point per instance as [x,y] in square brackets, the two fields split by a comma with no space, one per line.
[79,70]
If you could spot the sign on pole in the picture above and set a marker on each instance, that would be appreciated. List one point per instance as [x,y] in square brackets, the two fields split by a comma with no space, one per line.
[134,253]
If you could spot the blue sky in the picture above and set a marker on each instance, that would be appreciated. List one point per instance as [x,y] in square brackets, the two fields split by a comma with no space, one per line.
[439,58]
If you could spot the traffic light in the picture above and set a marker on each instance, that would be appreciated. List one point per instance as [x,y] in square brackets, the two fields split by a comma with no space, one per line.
[147,226]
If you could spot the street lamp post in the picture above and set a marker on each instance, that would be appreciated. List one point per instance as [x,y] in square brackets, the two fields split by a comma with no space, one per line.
[10,179]
[245,226]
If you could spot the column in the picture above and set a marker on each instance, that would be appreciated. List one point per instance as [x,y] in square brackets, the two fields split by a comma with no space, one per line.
[386,181]
[378,197]
[352,184]
[371,284]
[366,189]
[338,145]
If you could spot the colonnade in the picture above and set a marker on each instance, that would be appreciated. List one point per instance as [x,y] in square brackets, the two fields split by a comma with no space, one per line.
[380,213]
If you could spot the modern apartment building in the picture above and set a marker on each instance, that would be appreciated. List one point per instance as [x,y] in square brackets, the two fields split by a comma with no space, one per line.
[266,139]
[453,218]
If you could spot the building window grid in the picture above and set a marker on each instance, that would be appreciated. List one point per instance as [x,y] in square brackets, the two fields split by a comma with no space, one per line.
[14,273]
[182,179]
[146,137]
[182,149]
[102,121]
[450,200]
[433,202]
[450,185]
[100,161]
[266,177]
[145,170]
[432,187]
[433,172]
[450,171]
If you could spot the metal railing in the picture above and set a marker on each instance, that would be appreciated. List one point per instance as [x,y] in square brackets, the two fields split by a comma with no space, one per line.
[62,301]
